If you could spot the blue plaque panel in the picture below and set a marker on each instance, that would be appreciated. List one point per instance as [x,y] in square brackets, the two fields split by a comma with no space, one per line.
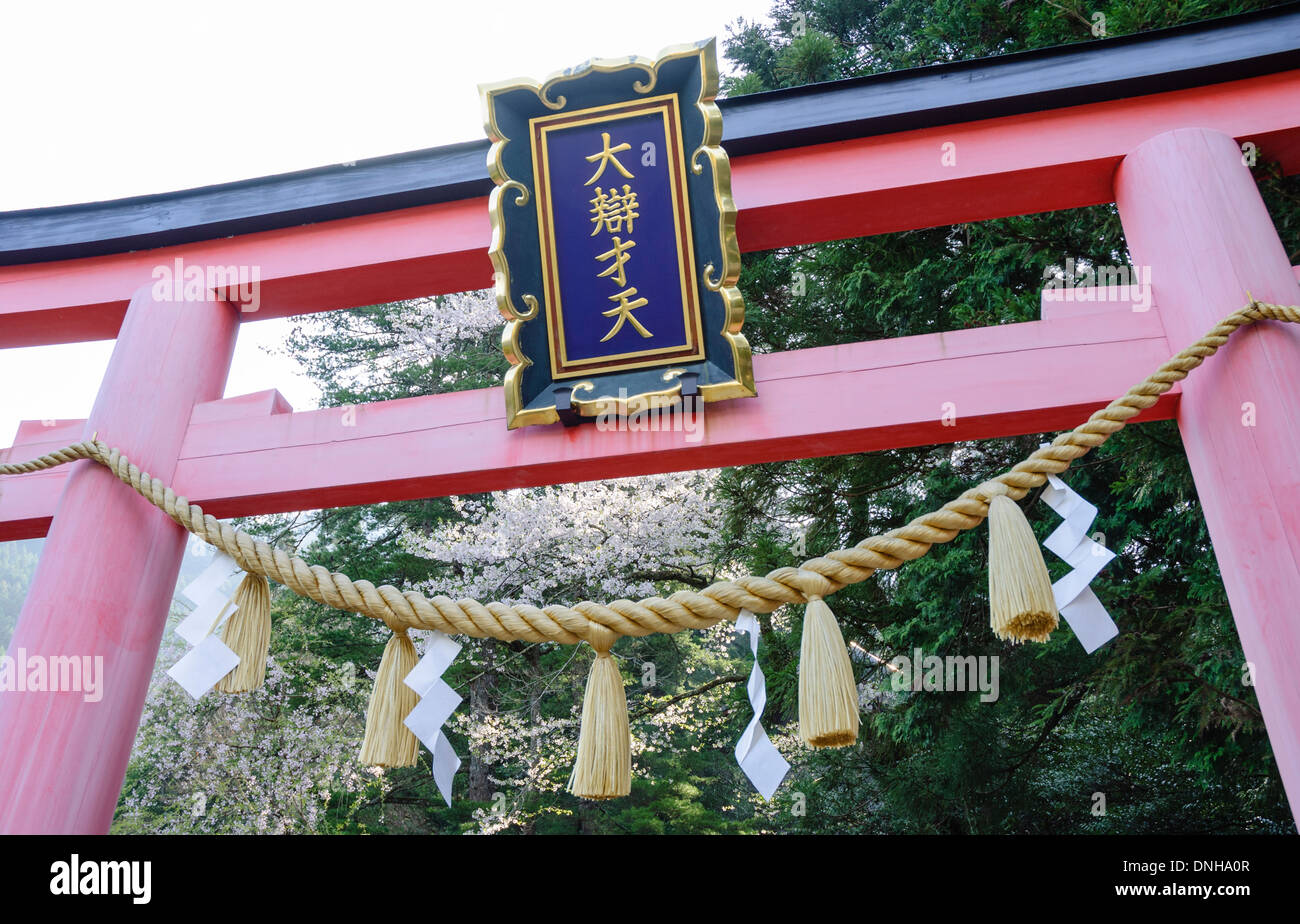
[613,238]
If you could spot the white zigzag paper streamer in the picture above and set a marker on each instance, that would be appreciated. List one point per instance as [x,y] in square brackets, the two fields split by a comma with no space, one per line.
[210,604]
[437,702]
[210,658]
[1085,614]
[755,752]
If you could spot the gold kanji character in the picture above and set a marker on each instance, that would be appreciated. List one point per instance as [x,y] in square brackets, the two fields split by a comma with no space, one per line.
[624,310]
[619,253]
[613,208]
[606,157]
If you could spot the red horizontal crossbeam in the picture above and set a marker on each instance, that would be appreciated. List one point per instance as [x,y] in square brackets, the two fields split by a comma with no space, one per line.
[1062,158]
[250,455]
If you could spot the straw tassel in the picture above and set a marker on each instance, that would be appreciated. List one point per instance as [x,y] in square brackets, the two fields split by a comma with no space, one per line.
[248,634]
[1021,603]
[603,767]
[828,694]
[389,743]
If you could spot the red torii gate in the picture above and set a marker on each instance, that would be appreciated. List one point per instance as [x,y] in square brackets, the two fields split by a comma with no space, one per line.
[1171,160]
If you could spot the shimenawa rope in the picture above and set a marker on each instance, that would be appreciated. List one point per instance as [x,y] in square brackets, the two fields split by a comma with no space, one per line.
[685,609]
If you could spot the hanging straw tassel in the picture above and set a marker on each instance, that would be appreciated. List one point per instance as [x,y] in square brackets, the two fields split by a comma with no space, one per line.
[1021,604]
[248,634]
[828,694]
[603,768]
[389,743]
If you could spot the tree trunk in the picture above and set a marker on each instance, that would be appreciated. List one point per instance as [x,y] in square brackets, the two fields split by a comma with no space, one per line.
[482,702]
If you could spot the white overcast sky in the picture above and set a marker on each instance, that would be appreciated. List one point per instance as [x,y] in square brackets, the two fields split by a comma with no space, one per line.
[101,100]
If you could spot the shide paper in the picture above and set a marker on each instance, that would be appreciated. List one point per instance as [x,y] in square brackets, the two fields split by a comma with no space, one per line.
[755,752]
[209,659]
[1070,541]
[206,663]
[208,584]
[205,619]
[437,702]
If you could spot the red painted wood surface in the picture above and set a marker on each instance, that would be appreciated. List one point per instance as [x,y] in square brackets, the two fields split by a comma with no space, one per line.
[1036,162]
[246,455]
[105,580]
[1192,212]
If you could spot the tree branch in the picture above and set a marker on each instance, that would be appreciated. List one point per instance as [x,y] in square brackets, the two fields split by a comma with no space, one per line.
[660,707]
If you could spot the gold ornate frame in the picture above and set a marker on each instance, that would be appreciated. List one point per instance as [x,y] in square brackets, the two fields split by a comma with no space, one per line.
[720,279]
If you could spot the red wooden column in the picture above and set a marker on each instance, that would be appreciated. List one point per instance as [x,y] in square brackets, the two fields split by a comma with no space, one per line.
[106,576]
[1192,212]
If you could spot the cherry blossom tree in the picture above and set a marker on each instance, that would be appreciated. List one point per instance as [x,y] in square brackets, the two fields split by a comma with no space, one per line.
[630,538]
[281,759]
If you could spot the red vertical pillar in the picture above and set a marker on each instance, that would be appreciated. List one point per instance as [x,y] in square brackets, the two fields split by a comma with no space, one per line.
[1192,213]
[106,576]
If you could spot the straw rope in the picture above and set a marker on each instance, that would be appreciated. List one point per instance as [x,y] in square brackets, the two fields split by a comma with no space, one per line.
[601,623]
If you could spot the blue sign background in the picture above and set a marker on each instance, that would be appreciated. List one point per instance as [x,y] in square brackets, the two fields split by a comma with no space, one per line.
[653,267]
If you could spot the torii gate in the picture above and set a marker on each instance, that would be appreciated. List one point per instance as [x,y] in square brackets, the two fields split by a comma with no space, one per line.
[1154,123]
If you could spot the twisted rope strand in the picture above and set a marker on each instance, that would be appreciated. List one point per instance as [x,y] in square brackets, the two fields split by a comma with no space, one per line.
[686,609]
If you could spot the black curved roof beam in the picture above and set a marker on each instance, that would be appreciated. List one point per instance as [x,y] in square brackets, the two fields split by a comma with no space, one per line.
[1215,51]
